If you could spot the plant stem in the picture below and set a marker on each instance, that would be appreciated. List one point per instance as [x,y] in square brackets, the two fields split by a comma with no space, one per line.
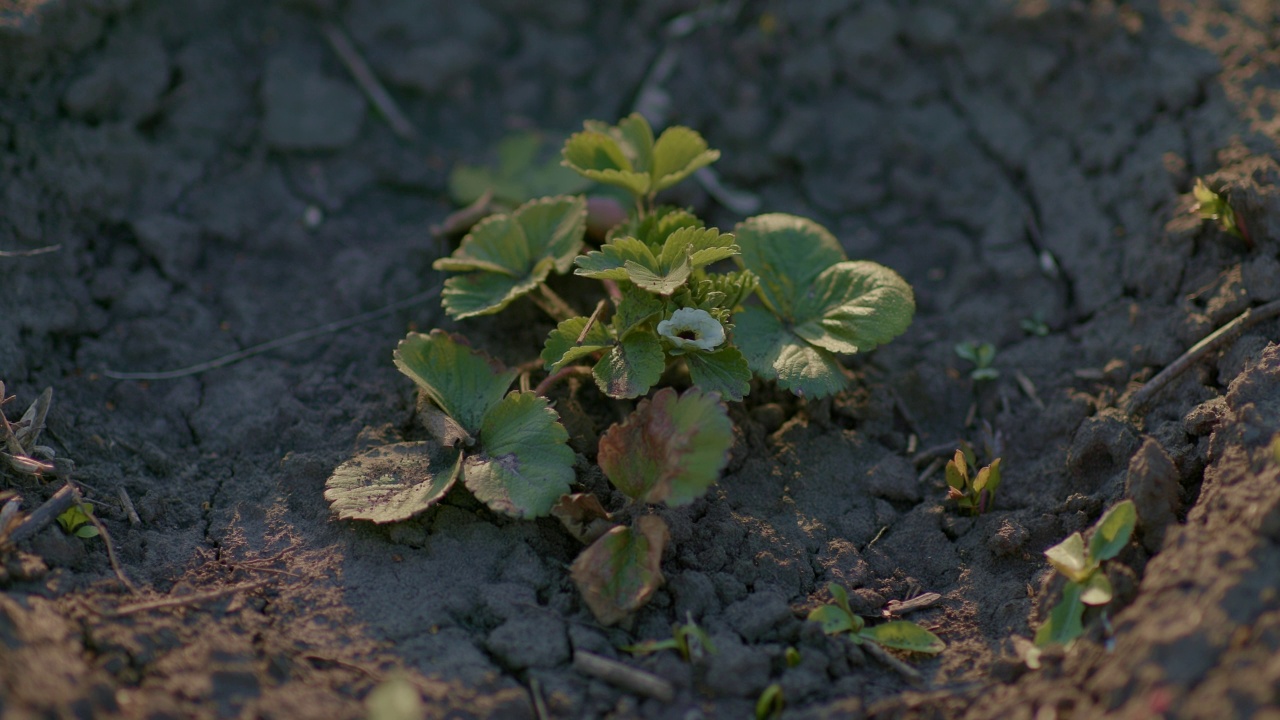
[552,304]
[611,286]
[561,374]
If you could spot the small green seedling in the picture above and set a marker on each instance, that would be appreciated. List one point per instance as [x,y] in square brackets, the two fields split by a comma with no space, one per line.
[839,619]
[792,656]
[770,703]
[692,642]
[1087,584]
[78,520]
[976,493]
[981,355]
[1035,325]
[1213,206]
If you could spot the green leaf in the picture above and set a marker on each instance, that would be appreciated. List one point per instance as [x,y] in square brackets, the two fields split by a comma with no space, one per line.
[525,464]
[723,290]
[648,647]
[1068,558]
[1112,532]
[654,228]
[853,307]
[562,346]
[678,152]
[463,382]
[486,293]
[1064,623]
[600,157]
[636,307]
[631,367]
[1097,590]
[663,282]
[770,703]
[702,246]
[904,635]
[724,371]
[618,573]
[611,260]
[517,176]
[506,256]
[841,596]
[834,620]
[393,482]
[86,532]
[775,353]
[958,472]
[671,449]
[786,253]
[988,478]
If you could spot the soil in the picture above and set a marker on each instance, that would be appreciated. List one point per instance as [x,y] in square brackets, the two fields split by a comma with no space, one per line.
[215,179]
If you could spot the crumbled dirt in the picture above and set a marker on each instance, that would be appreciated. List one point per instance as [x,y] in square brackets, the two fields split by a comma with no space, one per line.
[215,179]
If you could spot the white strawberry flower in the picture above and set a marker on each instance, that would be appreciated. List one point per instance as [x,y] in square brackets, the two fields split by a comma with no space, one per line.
[692,329]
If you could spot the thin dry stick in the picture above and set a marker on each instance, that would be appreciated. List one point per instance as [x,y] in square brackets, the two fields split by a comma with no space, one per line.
[909,673]
[591,321]
[66,496]
[129,510]
[367,81]
[277,343]
[29,253]
[193,599]
[624,676]
[1199,351]
[111,555]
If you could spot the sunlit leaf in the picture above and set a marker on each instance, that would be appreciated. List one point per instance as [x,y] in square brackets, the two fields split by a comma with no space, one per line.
[671,449]
[1068,557]
[678,152]
[619,572]
[524,464]
[610,261]
[1097,590]
[562,346]
[787,253]
[834,620]
[633,366]
[775,353]
[1112,532]
[957,472]
[461,381]
[1064,623]
[904,635]
[853,307]
[393,482]
[506,256]
[771,702]
[627,156]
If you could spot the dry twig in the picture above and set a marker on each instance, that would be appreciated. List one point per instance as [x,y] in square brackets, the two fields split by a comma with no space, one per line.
[1199,351]
[367,81]
[185,600]
[624,676]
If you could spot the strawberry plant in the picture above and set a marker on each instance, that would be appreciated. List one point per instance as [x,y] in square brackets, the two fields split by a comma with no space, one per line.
[777,299]
[1081,565]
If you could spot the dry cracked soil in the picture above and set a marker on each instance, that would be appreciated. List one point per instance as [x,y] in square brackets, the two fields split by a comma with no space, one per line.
[213,178]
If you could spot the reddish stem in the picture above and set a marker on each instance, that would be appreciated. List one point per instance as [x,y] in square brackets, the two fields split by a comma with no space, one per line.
[557,376]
